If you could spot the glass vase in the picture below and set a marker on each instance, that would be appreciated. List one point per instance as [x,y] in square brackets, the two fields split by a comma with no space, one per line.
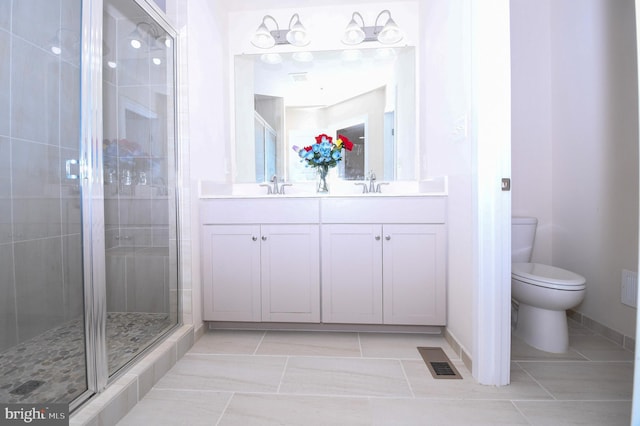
[321,179]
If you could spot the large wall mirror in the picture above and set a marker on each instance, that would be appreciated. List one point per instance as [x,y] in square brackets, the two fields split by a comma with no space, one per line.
[284,100]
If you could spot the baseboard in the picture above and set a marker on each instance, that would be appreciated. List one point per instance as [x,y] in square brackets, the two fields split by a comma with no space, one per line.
[458,349]
[289,326]
[199,331]
[626,342]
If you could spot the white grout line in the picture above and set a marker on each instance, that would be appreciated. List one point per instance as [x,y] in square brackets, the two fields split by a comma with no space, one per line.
[536,381]
[224,410]
[255,352]
[513,403]
[406,377]
[284,370]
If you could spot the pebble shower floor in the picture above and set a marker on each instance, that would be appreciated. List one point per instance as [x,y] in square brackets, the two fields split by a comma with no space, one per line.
[51,367]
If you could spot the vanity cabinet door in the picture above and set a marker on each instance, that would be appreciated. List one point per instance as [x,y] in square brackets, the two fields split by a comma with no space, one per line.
[231,272]
[352,274]
[414,274]
[290,257]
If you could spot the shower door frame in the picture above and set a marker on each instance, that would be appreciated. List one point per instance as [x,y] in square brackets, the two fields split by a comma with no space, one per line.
[92,195]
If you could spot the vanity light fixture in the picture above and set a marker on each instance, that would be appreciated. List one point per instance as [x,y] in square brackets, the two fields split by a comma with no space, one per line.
[296,35]
[354,33]
[389,33]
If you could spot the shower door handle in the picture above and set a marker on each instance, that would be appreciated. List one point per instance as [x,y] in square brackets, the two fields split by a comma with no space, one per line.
[68,164]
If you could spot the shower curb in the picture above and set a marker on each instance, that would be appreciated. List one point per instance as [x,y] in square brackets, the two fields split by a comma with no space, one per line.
[108,407]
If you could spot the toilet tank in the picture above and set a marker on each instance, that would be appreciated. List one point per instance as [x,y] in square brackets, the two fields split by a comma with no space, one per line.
[523,234]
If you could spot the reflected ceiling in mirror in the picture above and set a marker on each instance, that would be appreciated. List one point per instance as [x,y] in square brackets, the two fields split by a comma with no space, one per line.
[285,99]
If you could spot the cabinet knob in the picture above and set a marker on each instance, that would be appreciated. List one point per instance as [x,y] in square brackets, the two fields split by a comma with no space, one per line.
[264,238]
[377,237]
[254,238]
[387,237]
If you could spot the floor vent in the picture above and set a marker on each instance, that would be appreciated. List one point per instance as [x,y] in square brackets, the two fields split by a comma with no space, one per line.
[438,363]
[27,387]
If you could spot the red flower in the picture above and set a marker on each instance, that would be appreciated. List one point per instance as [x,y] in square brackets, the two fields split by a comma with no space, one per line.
[319,138]
[307,148]
[348,145]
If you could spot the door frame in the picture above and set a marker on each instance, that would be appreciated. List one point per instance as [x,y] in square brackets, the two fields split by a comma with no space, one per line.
[491,141]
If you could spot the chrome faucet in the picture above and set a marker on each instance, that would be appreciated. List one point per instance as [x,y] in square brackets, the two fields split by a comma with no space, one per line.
[364,187]
[269,190]
[274,188]
[372,181]
[372,187]
[282,186]
[378,190]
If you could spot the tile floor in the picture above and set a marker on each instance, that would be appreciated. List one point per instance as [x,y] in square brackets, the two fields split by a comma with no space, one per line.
[325,378]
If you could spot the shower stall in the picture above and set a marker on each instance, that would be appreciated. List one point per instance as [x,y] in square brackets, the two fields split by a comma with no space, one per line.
[88,193]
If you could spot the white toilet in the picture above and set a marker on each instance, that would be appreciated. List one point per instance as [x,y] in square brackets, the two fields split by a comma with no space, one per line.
[543,293]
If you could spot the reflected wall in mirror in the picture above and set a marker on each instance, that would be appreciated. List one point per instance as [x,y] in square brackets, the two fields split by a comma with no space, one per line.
[286,100]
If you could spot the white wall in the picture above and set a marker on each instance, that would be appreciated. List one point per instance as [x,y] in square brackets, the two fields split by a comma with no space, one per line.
[575,142]
[207,82]
[531,146]
[595,147]
[444,99]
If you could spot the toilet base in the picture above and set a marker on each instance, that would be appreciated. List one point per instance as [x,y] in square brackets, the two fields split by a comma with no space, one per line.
[543,329]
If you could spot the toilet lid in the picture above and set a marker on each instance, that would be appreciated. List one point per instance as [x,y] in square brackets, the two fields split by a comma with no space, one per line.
[546,276]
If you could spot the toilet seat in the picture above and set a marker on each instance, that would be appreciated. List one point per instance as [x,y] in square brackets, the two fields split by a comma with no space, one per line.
[547,276]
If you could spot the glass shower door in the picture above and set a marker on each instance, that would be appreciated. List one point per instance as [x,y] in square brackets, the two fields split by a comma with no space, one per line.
[88,206]
[42,336]
[139,157]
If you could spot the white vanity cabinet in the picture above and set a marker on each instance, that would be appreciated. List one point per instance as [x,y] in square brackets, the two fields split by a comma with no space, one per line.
[350,260]
[255,269]
[413,274]
[384,273]
[231,272]
[290,273]
[352,273]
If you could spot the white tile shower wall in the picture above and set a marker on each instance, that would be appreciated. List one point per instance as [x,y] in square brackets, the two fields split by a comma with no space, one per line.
[39,208]
[139,280]
[5,66]
[136,213]
[5,186]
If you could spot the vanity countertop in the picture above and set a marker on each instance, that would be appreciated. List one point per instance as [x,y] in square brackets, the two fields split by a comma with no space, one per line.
[436,187]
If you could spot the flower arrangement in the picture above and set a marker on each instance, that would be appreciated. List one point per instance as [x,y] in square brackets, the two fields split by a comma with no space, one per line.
[324,152]
[323,155]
